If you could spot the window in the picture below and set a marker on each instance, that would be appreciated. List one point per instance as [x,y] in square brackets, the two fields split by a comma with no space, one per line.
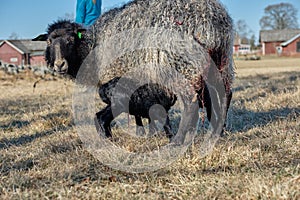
[13,59]
[298,46]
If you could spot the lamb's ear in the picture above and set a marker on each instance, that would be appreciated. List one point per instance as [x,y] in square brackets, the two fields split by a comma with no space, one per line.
[42,37]
[81,32]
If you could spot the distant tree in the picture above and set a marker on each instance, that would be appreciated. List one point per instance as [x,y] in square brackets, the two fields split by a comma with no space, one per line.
[252,41]
[120,4]
[279,16]
[244,32]
[242,28]
[67,16]
[13,36]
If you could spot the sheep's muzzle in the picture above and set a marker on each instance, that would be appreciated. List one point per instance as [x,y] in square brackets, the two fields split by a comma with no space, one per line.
[61,66]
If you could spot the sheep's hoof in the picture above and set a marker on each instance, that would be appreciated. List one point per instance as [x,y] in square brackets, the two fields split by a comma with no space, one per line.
[223,131]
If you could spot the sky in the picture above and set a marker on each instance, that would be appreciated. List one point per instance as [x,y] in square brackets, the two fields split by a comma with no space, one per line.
[29,18]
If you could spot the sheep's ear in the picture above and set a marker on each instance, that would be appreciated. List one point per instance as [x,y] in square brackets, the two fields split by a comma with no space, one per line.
[42,37]
[80,33]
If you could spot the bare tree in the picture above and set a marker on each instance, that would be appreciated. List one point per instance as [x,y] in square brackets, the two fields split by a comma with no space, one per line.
[252,41]
[67,16]
[242,28]
[244,31]
[13,36]
[279,16]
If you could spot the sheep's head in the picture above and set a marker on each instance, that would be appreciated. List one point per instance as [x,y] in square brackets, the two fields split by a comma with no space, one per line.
[63,44]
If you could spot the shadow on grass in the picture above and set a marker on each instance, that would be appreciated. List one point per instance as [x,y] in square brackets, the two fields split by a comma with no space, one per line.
[56,121]
[28,104]
[21,106]
[23,123]
[15,124]
[252,167]
[23,165]
[244,120]
[25,139]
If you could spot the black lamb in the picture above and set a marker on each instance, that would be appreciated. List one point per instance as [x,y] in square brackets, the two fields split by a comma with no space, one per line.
[140,102]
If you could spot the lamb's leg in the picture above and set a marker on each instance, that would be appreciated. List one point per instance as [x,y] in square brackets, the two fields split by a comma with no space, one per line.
[103,120]
[140,131]
[152,127]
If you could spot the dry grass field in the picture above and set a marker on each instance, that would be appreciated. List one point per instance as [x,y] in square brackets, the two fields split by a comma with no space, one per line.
[41,155]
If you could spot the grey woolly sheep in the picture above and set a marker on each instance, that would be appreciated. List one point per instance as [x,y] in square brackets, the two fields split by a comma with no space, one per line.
[206,21]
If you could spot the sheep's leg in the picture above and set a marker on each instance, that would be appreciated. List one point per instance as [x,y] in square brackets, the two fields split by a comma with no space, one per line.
[208,110]
[103,120]
[228,100]
[207,103]
[188,122]
[204,100]
[140,131]
[212,104]
[167,128]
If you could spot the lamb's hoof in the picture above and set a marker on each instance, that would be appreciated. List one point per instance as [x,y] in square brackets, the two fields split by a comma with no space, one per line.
[170,136]
[153,130]
[140,131]
[169,133]
[100,128]
[177,140]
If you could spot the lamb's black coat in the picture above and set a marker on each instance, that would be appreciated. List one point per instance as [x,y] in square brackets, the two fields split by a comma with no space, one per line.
[139,104]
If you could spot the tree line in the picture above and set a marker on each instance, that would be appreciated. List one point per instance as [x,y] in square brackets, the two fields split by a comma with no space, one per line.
[276,17]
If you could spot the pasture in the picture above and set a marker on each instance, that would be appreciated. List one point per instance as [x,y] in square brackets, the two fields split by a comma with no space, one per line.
[41,155]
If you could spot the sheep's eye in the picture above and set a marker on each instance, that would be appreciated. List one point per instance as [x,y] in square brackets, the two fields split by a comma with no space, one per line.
[48,42]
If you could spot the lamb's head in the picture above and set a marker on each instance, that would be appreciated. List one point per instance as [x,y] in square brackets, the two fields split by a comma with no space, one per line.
[64,41]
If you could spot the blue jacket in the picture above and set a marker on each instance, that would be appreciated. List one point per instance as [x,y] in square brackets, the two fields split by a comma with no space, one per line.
[87,12]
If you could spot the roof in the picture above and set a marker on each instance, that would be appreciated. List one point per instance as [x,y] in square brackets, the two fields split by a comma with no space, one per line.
[290,40]
[37,53]
[278,35]
[13,46]
[26,46]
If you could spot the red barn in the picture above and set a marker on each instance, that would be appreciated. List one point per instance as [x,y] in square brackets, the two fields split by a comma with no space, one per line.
[280,42]
[289,47]
[23,52]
